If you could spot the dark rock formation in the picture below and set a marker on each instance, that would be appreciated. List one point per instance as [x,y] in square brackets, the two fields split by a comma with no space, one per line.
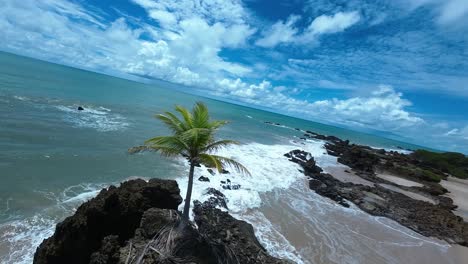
[80,108]
[434,220]
[204,179]
[232,235]
[138,222]
[114,212]
[217,198]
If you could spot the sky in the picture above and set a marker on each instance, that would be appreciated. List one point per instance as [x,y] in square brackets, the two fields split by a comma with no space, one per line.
[390,66]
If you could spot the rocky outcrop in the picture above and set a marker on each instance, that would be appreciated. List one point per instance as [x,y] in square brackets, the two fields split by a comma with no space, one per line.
[138,222]
[115,212]
[234,237]
[434,220]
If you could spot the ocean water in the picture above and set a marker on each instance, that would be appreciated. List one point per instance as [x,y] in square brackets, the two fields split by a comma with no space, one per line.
[53,157]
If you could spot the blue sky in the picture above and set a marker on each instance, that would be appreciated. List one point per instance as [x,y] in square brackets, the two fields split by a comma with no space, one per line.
[392,65]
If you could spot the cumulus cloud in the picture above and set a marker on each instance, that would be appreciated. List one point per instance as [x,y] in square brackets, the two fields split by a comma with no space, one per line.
[184,48]
[448,11]
[286,32]
[280,32]
[382,109]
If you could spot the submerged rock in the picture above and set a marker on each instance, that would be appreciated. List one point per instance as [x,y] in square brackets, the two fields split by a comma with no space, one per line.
[80,108]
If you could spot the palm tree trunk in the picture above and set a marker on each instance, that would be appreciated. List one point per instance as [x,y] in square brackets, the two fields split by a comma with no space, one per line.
[188,196]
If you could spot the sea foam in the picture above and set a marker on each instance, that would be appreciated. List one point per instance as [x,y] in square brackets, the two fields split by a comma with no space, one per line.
[101,119]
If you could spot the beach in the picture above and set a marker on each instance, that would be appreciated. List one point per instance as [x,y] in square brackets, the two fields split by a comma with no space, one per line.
[54,157]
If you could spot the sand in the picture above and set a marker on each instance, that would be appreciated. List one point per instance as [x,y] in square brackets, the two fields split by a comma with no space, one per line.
[345,174]
[458,189]
[322,232]
[398,180]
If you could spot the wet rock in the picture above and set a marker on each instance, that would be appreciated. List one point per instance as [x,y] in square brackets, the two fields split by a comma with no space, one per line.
[138,222]
[236,235]
[217,198]
[204,179]
[80,108]
[211,172]
[432,220]
[115,211]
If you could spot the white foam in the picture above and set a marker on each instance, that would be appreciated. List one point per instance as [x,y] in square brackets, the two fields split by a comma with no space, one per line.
[19,238]
[21,98]
[101,119]
[270,170]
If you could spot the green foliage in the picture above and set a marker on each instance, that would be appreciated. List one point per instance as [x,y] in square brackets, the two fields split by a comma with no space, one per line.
[193,138]
[453,163]
[412,171]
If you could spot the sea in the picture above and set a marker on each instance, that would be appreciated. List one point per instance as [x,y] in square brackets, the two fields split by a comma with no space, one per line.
[54,157]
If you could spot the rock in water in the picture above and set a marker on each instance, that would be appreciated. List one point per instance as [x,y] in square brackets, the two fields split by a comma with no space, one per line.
[80,108]
[114,212]
[204,179]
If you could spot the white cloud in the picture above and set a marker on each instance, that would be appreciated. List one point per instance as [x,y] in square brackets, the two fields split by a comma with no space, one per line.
[285,32]
[280,32]
[332,24]
[448,11]
[187,52]
[382,109]
[225,11]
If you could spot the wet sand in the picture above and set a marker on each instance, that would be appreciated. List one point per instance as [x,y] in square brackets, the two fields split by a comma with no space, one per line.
[322,232]
[458,189]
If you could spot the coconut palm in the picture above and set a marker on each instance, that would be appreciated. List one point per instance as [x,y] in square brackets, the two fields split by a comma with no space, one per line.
[193,138]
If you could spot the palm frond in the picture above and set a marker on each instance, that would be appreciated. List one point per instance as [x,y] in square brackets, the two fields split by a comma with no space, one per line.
[168,145]
[220,144]
[215,159]
[201,117]
[217,124]
[186,115]
[210,162]
[197,137]
[175,118]
[174,124]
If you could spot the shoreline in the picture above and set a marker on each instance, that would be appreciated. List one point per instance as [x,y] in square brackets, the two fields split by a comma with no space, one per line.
[415,202]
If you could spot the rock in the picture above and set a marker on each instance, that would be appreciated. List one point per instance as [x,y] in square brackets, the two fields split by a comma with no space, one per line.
[204,179]
[80,108]
[432,220]
[114,212]
[217,198]
[236,235]
[211,172]
[223,171]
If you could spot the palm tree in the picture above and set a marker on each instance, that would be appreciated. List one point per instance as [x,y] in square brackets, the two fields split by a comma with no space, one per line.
[193,138]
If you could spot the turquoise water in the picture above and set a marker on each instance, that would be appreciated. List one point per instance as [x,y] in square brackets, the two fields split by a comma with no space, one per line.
[52,157]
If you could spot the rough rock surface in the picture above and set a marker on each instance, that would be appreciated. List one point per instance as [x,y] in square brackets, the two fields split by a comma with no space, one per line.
[435,220]
[138,222]
[115,211]
[233,236]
